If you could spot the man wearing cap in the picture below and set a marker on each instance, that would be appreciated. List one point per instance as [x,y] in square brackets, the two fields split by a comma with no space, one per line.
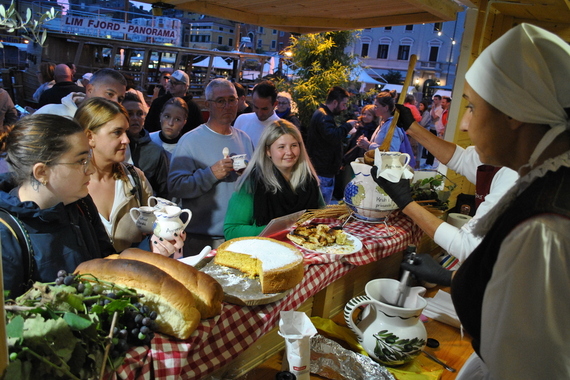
[177,86]
[84,80]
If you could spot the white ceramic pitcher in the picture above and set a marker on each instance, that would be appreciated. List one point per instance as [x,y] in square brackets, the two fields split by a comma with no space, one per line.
[158,203]
[168,221]
[364,196]
[144,218]
[390,334]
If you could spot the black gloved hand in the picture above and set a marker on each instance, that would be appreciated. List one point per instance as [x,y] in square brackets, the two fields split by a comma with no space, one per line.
[427,269]
[400,192]
[406,118]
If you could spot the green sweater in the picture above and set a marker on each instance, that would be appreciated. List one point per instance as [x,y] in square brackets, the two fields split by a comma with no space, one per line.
[239,220]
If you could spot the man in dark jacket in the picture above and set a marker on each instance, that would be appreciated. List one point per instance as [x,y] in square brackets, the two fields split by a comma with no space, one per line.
[145,155]
[177,86]
[325,139]
[63,86]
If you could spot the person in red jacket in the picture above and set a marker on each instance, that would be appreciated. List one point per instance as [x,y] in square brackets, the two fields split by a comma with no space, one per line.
[410,102]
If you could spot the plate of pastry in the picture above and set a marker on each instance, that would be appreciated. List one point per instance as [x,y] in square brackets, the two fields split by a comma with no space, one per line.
[323,239]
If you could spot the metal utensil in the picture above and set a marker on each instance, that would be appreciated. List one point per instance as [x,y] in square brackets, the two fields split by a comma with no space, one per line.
[404,287]
[450,369]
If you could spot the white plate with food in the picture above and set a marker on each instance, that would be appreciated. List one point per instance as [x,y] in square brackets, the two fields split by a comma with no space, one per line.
[323,239]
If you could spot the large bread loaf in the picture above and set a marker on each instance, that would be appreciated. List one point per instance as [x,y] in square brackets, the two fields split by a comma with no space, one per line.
[208,292]
[175,305]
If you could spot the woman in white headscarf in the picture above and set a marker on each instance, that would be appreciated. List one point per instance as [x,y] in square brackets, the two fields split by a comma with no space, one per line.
[512,293]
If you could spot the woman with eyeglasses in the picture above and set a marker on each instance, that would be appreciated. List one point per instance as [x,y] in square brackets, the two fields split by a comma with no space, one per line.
[115,186]
[286,109]
[47,191]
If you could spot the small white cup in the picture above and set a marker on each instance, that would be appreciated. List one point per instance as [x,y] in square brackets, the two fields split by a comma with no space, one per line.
[239,161]
[144,218]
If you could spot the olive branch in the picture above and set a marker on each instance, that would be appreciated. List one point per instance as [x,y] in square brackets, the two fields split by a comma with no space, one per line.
[32,29]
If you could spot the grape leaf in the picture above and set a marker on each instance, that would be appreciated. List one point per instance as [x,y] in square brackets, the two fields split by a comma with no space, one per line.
[116,305]
[15,329]
[76,322]
[75,301]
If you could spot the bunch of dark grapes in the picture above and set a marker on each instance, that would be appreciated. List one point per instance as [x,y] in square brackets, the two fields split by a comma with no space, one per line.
[136,324]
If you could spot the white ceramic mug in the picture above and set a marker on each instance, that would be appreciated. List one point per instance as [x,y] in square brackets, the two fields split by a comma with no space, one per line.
[158,203]
[144,218]
[239,161]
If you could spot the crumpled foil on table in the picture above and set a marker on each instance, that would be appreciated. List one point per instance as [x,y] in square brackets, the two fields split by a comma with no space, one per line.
[238,288]
[329,359]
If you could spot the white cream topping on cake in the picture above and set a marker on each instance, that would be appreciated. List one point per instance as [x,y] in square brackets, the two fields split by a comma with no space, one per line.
[272,255]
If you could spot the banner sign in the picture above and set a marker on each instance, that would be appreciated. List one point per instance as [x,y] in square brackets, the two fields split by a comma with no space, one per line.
[102,26]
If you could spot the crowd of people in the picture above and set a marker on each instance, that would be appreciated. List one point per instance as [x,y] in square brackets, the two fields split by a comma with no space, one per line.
[77,166]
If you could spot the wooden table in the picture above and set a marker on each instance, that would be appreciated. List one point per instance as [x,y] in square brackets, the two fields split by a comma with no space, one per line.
[453,350]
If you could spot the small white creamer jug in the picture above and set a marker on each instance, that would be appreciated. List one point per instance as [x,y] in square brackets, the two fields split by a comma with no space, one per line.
[144,218]
[168,221]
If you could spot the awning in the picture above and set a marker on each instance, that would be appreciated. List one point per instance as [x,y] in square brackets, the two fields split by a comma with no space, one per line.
[398,88]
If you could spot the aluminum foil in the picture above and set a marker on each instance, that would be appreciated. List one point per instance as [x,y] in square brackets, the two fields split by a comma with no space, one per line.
[332,361]
[239,288]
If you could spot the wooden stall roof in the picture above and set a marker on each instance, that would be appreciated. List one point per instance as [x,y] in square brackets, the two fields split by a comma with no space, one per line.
[310,16]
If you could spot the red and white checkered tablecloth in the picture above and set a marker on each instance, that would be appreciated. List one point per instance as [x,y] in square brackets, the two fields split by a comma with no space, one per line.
[217,341]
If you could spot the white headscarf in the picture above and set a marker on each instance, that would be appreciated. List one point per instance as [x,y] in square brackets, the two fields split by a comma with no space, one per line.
[526,75]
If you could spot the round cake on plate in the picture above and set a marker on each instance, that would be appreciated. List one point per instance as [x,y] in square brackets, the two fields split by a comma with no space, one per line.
[279,265]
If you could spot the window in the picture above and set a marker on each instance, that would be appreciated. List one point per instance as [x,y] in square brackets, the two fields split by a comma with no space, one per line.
[409,28]
[274,31]
[433,52]
[404,48]
[273,44]
[200,38]
[364,52]
[437,27]
[382,51]
[388,28]
[404,52]
[261,29]
[221,29]
[281,34]
[230,42]
[220,40]
[259,42]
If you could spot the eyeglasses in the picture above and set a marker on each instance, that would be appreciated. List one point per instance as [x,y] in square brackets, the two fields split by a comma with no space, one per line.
[221,102]
[167,78]
[85,162]
[283,103]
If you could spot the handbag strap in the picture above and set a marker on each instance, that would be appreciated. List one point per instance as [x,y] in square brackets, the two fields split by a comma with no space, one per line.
[137,181]
[17,229]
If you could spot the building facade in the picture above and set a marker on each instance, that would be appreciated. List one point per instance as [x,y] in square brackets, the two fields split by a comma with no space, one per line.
[436,46]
